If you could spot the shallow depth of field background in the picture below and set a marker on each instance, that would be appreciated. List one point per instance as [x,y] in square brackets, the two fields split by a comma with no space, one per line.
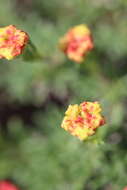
[35,153]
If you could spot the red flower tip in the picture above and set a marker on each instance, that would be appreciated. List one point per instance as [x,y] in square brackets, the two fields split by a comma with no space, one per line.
[7,185]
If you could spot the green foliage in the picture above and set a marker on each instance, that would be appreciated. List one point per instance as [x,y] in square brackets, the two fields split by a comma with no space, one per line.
[34,94]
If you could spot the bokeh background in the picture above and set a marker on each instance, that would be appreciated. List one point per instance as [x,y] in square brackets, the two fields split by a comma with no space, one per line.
[35,153]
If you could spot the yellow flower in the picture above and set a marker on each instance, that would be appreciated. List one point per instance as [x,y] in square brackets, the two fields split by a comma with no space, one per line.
[83,120]
[76,43]
[12,42]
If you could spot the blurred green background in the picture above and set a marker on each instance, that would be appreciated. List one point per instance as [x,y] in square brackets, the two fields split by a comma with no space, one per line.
[34,93]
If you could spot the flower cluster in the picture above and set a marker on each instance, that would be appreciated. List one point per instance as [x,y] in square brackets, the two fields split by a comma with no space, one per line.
[7,185]
[12,42]
[76,43]
[80,120]
[83,120]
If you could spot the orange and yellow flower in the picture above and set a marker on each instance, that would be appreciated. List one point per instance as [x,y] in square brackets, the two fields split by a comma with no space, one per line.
[83,120]
[12,41]
[76,43]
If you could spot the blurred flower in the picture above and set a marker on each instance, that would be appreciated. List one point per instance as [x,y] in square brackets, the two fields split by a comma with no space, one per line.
[12,42]
[83,120]
[125,188]
[76,43]
[6,185]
